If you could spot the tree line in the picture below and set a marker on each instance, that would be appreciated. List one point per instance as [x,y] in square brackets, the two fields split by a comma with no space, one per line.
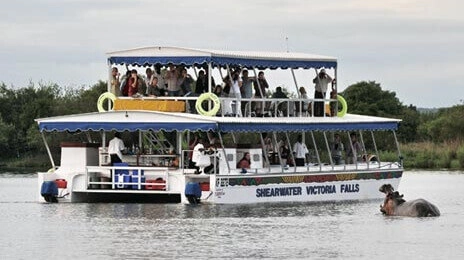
[20,138]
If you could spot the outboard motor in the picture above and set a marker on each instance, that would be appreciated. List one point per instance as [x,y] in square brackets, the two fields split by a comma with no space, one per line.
[49,191]
[193,192]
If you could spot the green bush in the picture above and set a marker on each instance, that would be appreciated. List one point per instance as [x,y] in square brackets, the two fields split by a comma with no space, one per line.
[460,156]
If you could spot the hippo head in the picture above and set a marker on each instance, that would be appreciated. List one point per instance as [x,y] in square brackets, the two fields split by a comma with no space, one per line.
[386,188]
[392,200]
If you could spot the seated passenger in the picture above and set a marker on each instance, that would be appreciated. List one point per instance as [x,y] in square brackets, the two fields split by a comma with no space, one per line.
[245,162]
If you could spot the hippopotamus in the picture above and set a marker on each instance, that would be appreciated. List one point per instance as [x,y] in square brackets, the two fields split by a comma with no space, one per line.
[395,205]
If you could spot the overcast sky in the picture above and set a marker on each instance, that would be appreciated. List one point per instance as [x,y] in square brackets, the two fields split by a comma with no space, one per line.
[414,48]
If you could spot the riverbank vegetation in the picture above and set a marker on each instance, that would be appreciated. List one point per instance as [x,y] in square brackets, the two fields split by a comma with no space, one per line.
[429,140]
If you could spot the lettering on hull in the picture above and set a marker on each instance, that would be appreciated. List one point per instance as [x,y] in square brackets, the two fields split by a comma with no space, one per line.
[307,191]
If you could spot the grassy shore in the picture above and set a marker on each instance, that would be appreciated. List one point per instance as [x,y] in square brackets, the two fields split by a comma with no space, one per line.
[431,156]
[38,162]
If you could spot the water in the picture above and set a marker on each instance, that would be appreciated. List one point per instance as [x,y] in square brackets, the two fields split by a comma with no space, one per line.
[30,230]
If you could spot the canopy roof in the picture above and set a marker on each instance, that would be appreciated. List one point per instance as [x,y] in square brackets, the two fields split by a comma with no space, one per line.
[152,120]
[148,56]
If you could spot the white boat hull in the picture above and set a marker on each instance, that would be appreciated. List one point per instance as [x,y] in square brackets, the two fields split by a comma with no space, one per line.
[302,188]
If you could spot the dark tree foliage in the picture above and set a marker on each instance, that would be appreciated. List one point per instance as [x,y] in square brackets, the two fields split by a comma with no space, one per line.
[19,107]
[446,124]
[368,98]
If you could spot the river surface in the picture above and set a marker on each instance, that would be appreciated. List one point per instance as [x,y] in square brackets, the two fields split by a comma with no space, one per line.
[356,230]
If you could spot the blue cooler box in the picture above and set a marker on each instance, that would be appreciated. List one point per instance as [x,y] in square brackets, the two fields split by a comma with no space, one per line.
[136,172]
[120,179]
[120,171]
[135,179]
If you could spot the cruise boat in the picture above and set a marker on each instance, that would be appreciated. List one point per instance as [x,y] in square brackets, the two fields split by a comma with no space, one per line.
[156,168]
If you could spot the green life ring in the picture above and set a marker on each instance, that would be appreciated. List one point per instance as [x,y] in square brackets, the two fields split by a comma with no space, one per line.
[342,101]
[102,98]
[204,97]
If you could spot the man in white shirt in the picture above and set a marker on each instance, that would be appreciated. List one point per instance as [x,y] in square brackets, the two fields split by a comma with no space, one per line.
[115,148]
[199,157]
[300,150]
[322,80]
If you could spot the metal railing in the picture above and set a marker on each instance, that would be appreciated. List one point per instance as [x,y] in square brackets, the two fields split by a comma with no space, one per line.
[117,174]
[255,107]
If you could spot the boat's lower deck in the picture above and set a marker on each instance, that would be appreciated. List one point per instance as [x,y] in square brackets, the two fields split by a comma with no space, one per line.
[273,184]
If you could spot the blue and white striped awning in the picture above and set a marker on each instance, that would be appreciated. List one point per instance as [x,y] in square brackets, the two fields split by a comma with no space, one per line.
[157,121]
[149,56]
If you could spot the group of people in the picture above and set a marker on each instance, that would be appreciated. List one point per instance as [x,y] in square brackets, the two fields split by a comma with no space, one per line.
[200,155]
[301,155]
[354,150]
[239,85]
[175,81]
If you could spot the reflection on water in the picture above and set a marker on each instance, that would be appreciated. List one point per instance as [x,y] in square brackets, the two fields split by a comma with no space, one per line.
[285,230]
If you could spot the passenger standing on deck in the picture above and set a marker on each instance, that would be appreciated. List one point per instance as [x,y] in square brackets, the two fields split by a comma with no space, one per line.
[260,92]
[201,86]
[354,150]
[246,90]
[172,76]
[136,84]
[336,150]
[280,104]
[153,89]
[302,106]
[285,154]
[235,92]
[161,81]
[226,105]
[148,79]
[192,145]
[115,148]
[185,83]
[115,88]
[322,80]
[300,150]
[124,85]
